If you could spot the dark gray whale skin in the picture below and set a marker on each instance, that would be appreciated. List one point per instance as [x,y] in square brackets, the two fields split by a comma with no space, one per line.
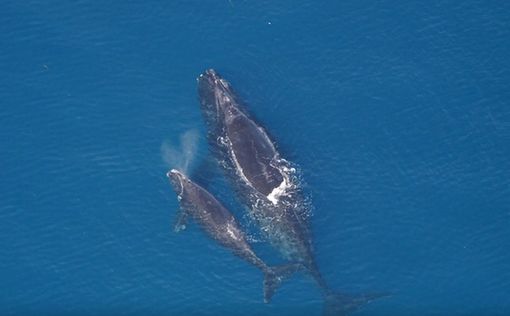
[221,225]
[253,150]
[265,182]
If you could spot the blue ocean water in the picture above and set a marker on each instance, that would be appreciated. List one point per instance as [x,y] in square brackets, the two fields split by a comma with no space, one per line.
[397,113]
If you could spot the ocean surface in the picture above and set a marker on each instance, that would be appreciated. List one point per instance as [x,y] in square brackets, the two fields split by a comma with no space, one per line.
[397,114]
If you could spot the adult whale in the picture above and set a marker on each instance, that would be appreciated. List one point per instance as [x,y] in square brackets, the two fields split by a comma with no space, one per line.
[221,225]
[266,182]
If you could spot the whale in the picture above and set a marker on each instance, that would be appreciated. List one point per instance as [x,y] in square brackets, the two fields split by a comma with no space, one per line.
[220,224]
[266,183]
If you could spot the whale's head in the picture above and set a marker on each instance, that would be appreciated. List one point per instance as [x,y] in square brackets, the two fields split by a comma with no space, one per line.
[216,97]
[208,84]
[178,181]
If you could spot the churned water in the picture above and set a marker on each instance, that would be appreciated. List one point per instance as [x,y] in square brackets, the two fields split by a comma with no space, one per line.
[397,113]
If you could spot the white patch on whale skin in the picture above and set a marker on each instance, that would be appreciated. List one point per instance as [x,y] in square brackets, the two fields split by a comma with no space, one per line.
[223,82]
[232,232]
[181,191]
[226,99]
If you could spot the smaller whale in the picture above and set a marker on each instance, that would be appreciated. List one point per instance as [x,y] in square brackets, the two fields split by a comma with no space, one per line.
[221,225]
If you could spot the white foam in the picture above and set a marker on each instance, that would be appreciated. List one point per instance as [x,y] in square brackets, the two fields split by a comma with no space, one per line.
[277,192]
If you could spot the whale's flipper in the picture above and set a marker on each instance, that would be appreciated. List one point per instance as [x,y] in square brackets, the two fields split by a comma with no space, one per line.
[181,220]
[274,277]
[344,304]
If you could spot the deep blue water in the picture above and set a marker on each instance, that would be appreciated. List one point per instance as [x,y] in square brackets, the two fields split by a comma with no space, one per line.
[397,113]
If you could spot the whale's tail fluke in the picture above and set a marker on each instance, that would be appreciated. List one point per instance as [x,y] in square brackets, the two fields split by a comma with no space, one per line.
[274,276]
[344,304]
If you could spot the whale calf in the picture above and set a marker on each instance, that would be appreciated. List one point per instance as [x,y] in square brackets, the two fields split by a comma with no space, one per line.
[265,182]
[221,225]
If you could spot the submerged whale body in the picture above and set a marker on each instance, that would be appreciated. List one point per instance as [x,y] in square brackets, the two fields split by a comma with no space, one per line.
[266,182]
[220,224]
